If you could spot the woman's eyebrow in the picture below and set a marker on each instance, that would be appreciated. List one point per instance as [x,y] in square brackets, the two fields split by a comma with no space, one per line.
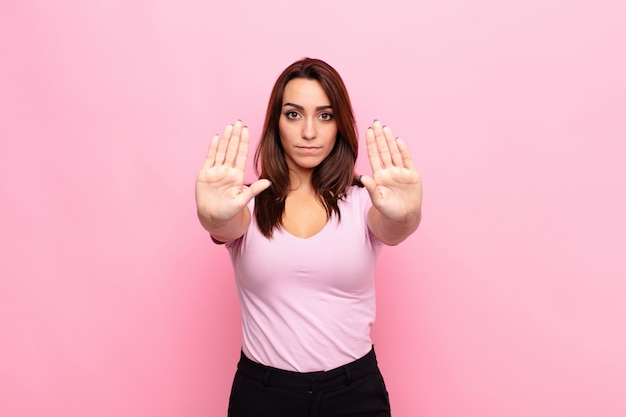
[299,107]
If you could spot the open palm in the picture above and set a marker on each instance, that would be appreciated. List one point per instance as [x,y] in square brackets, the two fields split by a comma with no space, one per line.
[395,186]
[220,191]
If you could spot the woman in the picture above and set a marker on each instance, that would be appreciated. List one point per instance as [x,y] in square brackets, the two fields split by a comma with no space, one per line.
[304,240]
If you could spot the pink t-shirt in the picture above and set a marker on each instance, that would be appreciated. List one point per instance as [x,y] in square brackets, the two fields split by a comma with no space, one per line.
[308,304]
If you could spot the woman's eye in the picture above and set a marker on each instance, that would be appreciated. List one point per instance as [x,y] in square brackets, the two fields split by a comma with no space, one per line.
[291,115]
[326,116]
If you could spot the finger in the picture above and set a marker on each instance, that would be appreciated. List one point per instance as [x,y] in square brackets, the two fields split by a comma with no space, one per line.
[369,183]
[220,154]
[210,156]
[381,143]
[242,152]
[372,150]
[256,188]
[396,156]
[407,161]
[233,144]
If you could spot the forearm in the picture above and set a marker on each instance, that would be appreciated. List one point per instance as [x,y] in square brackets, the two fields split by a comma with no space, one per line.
[225,231]
[393,231]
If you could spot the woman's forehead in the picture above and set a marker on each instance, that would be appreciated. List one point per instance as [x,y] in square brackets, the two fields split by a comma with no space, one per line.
[306,93]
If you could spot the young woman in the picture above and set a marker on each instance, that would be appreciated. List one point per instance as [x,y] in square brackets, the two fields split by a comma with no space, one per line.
[304,240]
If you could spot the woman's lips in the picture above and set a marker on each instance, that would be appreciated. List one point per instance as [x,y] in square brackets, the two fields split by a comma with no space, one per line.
[308,147]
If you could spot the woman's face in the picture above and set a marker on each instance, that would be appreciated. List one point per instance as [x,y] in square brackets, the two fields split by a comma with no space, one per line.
[307,125]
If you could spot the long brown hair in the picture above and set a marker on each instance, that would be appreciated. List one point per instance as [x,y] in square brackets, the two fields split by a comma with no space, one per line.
[333,176]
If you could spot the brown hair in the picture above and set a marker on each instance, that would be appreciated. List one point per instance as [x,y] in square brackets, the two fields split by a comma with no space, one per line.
[334,175]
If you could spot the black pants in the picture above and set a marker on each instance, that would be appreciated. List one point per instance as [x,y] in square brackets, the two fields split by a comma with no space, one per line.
[356,390]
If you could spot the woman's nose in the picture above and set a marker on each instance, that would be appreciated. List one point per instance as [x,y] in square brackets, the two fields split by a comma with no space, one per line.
[308,130]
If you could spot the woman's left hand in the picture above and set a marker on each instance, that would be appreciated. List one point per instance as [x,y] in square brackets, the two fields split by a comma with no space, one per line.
[395,186]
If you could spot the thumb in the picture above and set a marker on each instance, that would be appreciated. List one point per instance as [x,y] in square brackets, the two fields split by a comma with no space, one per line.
[369,183]
[256,188]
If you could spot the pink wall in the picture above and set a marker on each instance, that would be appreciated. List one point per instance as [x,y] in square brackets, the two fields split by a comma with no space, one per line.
[509,301]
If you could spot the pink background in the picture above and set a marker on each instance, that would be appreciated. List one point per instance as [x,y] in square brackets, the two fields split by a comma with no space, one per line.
[509,301]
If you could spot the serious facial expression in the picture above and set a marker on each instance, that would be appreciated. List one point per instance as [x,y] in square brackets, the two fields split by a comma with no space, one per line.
[307,125]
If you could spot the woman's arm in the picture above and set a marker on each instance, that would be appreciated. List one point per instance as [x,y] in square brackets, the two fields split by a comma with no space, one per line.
[391,232]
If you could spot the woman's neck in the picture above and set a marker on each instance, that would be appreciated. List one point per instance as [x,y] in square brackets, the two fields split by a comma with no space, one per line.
[301,181]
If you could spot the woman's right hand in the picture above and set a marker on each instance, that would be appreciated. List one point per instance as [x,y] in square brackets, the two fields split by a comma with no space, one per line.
[220,193]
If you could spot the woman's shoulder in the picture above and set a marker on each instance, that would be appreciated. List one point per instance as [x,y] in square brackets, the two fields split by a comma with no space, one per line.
[357,196]
[356,191]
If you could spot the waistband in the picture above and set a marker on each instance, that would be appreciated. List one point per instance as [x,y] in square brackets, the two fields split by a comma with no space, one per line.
[308,381]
